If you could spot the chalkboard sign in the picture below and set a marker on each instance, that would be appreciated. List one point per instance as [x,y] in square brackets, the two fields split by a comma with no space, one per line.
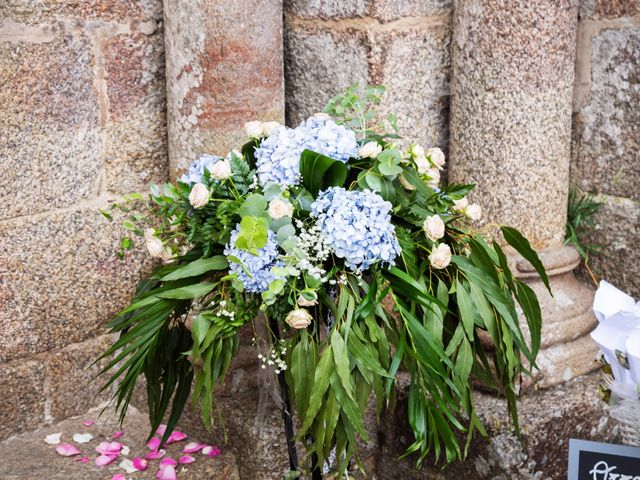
[603,461]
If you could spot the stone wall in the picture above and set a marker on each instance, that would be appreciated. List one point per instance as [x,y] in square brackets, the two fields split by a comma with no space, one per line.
[82,121]
[606,144]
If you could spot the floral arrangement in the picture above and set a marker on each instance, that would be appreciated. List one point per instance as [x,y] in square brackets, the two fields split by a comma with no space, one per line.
[365,265]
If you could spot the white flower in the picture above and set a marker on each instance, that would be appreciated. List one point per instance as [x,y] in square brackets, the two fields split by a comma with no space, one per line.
[155,246]
[322,116]
[269,127]
[279,208]
[433,228]
[222,168]
[254,129]
[473,211]
[167,255]
[199,195]
[369,150]
[423,165]
[434,177]
[440,256]
[405,183]
[303,302]
[417,151]
[460,205]
[436,156]
[299,318]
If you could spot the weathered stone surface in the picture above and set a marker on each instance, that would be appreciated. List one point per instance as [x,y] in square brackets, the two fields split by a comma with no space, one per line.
[384,10]
[22,386]
[512,84]
[27,456]
[135,151]
[60,280]
[315,60]
[71,386]
[548,420]
[618,231]
[50,145]
[38,11]
[607,127]
[222,71]
[609,8]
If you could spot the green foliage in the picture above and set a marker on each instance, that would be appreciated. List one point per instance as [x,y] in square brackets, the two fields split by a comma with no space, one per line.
[320,172]
[581,213]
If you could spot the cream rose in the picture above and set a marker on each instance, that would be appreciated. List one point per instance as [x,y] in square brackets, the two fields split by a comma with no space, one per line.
[279,208]
[417,151]
[433,228]
[299,318]
[254,129]
[440,256]
[303,302]
[369,150]
[460,205]
[222,168]
[422,164]
[436,156]
[473,211]
[405,183]
[434,177]
[154,246]
[199,195]
[167,255]
[269,127]
[322,116]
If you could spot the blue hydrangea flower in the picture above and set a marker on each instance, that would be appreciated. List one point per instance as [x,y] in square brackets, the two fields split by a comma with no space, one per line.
[357,225]
[196,170]
[278,156]
[255,273]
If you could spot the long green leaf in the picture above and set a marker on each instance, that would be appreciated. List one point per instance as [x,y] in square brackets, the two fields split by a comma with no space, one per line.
[198,267]
[190,291]
[518,241]
[320,172]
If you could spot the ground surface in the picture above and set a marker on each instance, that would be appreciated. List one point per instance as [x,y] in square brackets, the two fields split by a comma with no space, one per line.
[28,457]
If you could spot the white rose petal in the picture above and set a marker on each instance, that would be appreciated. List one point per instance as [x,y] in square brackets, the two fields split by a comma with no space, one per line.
[155,246]
[436,156]
[303,302]
[440,256]
[369,150]
[279,208]
[53,439]
[222,168]
[434,177]
[405,183]
[417,151]
[167,255]
[299,318]
[254,129]
[423,165]
[199,195]
[269,127]
[82,437]
[433,228]
[460,205]
[473,211]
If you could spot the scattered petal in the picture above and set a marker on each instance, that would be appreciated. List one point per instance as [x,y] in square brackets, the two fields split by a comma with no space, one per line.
[118,434]
[153,444]
[127,465]
[53,439]
[103,460]
[82,437]
[140,464]
[186,459]
[88,423]
[109,448]
[161,429]
[176,436]
[125,450]
[193,447]
[82,459]
[211,451]
[119,476]
[168,461]
[166,473]
[155,455]
[67,450]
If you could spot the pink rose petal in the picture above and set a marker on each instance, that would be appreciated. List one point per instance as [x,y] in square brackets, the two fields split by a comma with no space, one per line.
[140,464]
[193,447]
[119,476]
[186,459]
[88,423]
[118,434]
[155,455]
[168,461]
[109,448]
[161,429]
[211,451]
[176,436]
[67,450]
[153,444]
[82,459]
[103,460]
[167,472]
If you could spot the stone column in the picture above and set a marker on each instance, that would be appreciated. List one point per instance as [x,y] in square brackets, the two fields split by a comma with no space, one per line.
[511,103]
[224,68]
